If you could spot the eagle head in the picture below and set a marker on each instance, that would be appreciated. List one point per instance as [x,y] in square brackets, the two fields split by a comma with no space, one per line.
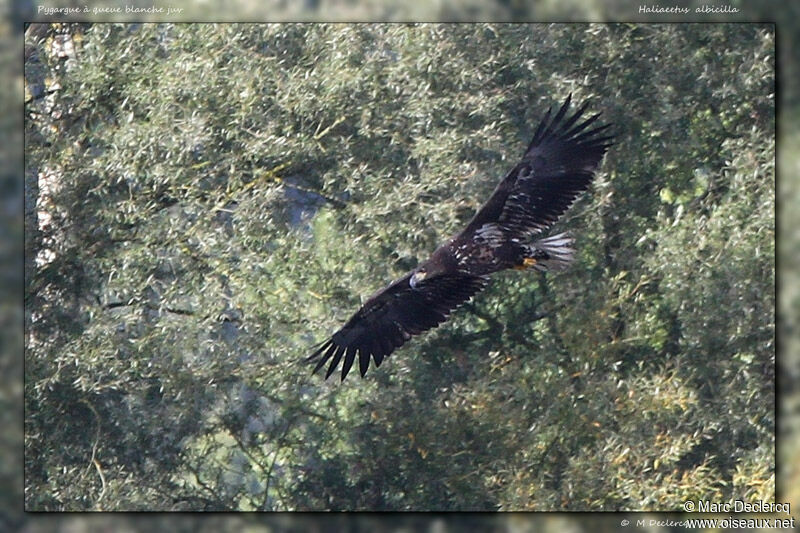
[417,277]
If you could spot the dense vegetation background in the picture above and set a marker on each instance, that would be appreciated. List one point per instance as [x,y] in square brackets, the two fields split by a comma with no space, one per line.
[207,201]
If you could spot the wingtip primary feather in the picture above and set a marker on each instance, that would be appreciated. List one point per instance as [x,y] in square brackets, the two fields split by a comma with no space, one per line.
[324,346]
[349,358]
[337,356]
[363,362]
[559,127]
[561,112]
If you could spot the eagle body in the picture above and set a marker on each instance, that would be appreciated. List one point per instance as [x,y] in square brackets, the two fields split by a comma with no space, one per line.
[557,166]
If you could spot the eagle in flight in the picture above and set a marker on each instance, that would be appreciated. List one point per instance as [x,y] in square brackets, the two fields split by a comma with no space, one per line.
[557,166]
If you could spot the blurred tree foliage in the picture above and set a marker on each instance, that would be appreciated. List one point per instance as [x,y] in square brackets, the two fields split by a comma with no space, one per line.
[207,201]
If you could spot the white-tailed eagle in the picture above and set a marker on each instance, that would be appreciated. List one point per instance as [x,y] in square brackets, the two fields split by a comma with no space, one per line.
[557,166]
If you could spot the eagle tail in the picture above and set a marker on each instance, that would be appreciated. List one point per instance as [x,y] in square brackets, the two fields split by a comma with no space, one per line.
[551,254]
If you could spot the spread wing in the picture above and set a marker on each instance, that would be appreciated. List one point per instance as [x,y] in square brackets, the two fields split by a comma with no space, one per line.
[558,165]
[391,317]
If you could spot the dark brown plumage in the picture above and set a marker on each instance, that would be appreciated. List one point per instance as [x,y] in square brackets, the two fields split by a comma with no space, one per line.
[557,166]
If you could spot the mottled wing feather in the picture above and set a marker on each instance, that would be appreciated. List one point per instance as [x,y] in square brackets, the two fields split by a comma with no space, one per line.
[391,317]
[558,165]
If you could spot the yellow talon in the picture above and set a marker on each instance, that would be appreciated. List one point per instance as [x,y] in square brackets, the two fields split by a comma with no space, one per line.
[526,263]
